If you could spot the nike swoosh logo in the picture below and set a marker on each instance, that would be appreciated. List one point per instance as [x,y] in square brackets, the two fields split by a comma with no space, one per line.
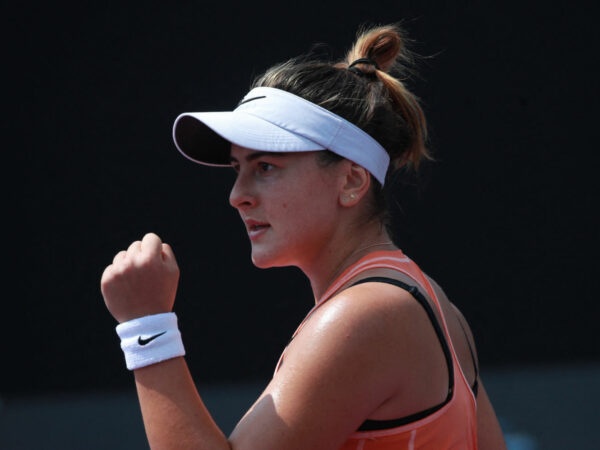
[251,99]
[144,341]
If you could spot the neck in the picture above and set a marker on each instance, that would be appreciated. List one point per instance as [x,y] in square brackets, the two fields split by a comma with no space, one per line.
[328,268]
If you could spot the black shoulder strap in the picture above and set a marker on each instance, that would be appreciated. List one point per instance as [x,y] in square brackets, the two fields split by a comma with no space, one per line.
[370,425]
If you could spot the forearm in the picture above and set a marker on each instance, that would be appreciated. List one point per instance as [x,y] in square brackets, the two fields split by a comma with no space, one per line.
[174,415]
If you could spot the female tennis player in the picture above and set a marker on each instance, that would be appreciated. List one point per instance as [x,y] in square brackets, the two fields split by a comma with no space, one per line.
[384,360]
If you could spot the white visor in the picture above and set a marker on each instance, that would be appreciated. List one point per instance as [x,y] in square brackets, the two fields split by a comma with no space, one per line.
[274,120]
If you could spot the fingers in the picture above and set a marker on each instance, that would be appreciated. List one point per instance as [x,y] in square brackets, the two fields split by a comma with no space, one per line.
[150,246]
[151,243]
[119,257]
[141,280]
[134,247]
[167,254]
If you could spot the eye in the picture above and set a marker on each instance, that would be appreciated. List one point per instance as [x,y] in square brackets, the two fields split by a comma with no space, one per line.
[265,166]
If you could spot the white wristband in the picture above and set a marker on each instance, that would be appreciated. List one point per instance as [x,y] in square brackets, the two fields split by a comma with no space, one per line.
[150,340]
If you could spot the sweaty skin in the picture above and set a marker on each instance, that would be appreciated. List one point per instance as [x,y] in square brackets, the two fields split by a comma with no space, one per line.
[302,214]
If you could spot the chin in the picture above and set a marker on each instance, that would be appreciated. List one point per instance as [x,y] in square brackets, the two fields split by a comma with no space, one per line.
[261,264]
[267,261]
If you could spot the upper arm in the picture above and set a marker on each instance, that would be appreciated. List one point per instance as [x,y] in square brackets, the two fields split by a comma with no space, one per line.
[489,433]
[335,372]
[468,334]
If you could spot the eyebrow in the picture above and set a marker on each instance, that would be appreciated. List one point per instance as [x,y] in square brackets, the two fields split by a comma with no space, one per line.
[257,155]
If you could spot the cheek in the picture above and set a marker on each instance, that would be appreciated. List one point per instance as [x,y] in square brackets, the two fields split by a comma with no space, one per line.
[290,200]
[305,201]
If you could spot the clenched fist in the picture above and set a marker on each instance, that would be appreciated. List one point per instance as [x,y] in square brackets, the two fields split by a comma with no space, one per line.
[141,280]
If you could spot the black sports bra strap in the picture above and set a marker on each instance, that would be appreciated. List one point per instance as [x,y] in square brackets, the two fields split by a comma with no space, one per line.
[370,425]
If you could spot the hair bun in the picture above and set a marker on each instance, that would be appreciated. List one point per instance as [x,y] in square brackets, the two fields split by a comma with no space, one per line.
[384,45]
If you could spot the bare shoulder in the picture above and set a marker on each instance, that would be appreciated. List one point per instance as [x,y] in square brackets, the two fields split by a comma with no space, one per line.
[365,313]
[336,371]
[359,355]
[369,300]
[373,333]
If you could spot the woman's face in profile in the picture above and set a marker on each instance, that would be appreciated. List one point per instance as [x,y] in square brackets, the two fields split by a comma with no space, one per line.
[288,203]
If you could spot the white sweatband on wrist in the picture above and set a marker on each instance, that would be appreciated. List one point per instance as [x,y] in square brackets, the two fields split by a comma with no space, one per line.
[150,340]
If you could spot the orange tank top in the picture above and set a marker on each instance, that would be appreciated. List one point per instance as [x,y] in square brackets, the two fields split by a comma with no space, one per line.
[453,426]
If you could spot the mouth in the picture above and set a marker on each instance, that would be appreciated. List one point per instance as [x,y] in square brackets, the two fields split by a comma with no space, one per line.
[255,228]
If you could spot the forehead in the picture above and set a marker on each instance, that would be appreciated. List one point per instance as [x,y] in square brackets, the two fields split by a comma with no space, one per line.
[239,153]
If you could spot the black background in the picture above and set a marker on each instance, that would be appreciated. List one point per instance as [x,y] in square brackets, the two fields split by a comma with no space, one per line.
[504,220]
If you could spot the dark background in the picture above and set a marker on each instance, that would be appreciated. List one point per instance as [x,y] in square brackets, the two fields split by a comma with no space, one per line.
[505,219]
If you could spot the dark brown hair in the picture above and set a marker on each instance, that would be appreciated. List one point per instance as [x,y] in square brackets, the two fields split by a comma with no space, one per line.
[371,94]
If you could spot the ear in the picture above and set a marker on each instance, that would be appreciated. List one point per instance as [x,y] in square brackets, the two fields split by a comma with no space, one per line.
[355,185]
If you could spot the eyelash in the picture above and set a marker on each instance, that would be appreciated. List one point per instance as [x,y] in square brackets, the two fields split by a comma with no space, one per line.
[264,166]
[261,166]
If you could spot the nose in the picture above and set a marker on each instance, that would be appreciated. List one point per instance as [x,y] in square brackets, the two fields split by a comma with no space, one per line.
[241,195]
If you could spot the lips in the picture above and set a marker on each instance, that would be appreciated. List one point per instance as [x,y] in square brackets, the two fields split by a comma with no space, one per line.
[255,228]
